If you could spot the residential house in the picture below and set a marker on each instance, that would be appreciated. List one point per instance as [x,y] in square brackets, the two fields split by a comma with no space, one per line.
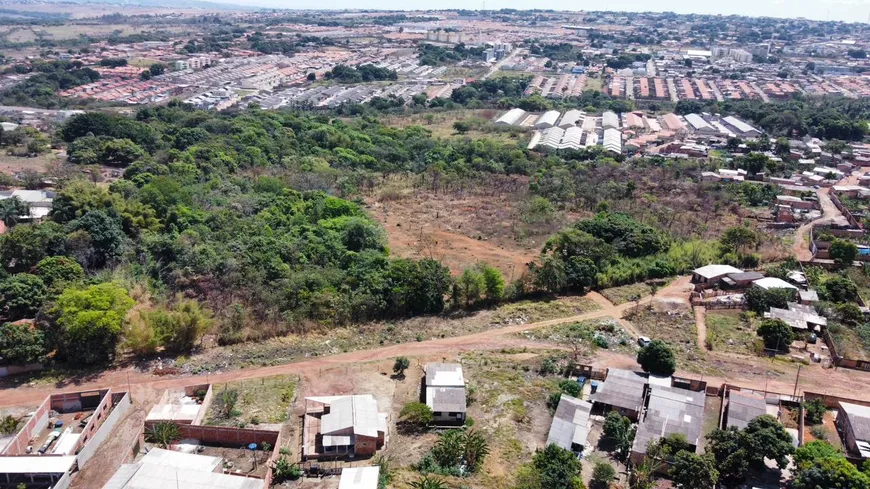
[571,424]
[853,420]
[710,275]
[743,407]
[445,392]
[670,411]
[623,391]
[342,426]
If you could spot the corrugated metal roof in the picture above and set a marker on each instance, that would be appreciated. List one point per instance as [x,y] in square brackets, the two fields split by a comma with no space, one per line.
[570,423]
[359,412]
[446,399]
[743,408]
[154,476]
[622,389]
[35,464]
[671,410]
[859,419]
[359,478]
[444,375]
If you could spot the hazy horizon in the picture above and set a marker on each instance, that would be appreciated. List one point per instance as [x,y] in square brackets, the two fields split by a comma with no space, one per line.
[842,10]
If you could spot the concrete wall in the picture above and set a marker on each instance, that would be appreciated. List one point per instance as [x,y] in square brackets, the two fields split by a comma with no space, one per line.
[39,420]
[833,402]
[206,401]
[19,369]
[122,407]
[78,401]
[276,453]
[63,482]
[97,418]
[224,436]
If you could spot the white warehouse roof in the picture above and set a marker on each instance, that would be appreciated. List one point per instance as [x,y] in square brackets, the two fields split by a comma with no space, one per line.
[548,119]
[609,119]
[697,122]
[511,117]
[712,271]
[571,118]
[739,125]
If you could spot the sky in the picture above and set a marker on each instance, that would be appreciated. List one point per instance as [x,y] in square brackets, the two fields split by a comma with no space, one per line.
[845,10]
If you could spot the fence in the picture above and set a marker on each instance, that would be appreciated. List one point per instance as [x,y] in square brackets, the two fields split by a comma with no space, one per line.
[122,405]
[191,390]
[719,305]
[833,401]
[18,445]
[225,436]
[19,369]
[838,359]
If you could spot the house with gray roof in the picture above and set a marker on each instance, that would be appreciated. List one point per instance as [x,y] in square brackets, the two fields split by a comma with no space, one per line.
[742,408]
[571,424]
[853,421]
[445,392]
[670,411]
[342,426]
[623,391]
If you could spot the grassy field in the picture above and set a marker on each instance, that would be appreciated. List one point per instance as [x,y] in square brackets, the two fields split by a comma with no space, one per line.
[607,328]
[621,295]
[533,311]
[673,323]
[728,331]
[264,400]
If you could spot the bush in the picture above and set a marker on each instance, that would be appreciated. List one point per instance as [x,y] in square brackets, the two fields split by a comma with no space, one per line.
[814,411]
[163,434]
[416,414]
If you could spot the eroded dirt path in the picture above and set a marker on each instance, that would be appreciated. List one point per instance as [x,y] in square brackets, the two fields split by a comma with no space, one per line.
[701,326]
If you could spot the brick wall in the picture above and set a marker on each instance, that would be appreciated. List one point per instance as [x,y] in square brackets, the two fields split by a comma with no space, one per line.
[39,420]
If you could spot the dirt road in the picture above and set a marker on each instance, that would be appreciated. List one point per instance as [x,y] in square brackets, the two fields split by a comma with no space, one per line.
[830,214]
[750,372]
[701,326]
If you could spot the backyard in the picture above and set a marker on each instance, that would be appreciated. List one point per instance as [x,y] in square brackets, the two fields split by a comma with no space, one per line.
[266,400]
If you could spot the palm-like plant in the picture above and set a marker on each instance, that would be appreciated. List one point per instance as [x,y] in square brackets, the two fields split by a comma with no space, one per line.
[163,434]
[427,482]
[476,449]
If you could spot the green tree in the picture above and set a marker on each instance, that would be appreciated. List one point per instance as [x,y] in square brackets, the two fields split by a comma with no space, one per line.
[657,358]
[691,471]
[461,127]
[12,209]
[602,475]
[843,252]
[761,300]
[22,295]
[737,239]
[469,286]
[106,237]
[728,451]
[180,327]
[59,271]
[493,282]
[808,453]
[776,334]
[476,449]
[765,437]
[8,425]
[90,322]
[619,431]
[831,472]
[227,400]
[157,69]
[557,468]
[416,414]
[21,344]
[164,434]
[836,289]
[814,411]
[401,364]
[22,247]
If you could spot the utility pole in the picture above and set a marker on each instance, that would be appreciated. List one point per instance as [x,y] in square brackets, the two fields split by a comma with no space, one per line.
[794,394]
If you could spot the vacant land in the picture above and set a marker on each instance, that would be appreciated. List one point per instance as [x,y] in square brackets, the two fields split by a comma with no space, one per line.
[532,311]
[605,333]
[464,225]
[672,322]
[729,331]
[626,293]
[264,400]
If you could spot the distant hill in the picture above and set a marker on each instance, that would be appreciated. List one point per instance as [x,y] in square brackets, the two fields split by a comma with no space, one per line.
[179,4]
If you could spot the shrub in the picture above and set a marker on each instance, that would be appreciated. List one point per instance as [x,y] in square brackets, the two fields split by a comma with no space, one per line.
[657,358]
[602,475]
[416,414]
[814,411]
[163,434]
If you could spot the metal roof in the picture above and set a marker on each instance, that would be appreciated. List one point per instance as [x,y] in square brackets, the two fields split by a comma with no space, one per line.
[444,375]
[180,460]
[743,408]
[155,476]
[739,125]
[511,117]
[768,283]
[609,119]
[859,420]
[548,119]
[570,423]
[446,399]
[713,271]
[359,478]
[671,410]
[622,389]
[36,464]
[359,412]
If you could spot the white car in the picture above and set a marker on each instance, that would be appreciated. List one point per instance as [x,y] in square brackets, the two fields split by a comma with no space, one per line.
[643,341]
